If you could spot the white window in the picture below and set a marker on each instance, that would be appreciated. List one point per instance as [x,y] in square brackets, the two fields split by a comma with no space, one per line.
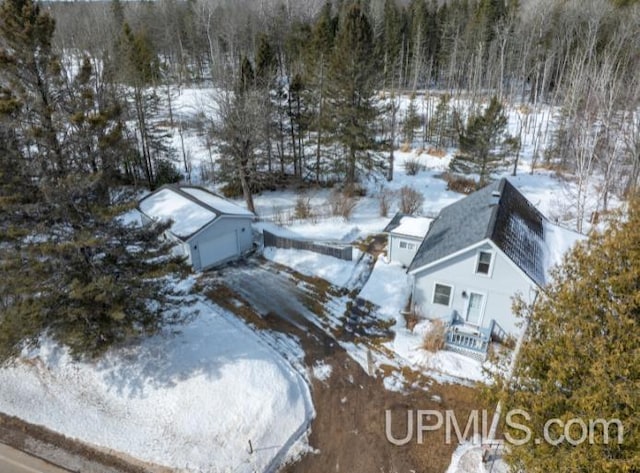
[407,245]
[442,294]
[484,262]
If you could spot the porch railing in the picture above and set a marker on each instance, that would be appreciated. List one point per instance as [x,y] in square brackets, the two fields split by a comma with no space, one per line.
[470,341]
[471,344]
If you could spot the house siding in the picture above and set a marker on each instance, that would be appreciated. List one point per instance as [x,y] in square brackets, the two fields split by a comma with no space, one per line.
[403,256]
[203,257]
[499,287]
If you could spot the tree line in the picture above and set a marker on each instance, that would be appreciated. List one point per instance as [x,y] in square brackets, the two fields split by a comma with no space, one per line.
[326,78]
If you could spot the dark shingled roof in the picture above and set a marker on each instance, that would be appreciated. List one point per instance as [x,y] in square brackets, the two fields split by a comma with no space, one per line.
[498,212]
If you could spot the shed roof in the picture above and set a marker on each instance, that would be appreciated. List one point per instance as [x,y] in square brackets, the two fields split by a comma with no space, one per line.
[189,207]
[408,225]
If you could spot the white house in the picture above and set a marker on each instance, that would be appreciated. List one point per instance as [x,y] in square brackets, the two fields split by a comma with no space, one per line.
[405,235]
[478,254]
[208,229]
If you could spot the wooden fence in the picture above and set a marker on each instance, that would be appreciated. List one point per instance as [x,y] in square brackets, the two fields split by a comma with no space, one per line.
[344,252]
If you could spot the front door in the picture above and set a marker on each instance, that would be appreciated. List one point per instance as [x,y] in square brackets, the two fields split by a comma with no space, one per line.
[474,308]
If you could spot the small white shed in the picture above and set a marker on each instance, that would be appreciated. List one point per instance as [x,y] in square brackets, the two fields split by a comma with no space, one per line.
[405,236]
[208,229]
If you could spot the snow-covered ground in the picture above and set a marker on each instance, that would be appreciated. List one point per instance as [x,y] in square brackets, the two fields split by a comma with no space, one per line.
[556,197]
[337,271]
[190,399]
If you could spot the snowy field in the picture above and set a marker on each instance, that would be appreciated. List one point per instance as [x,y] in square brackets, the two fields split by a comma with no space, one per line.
[191,399]
[555,196]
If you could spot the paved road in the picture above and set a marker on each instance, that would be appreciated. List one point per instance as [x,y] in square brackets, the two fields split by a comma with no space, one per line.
[14,461]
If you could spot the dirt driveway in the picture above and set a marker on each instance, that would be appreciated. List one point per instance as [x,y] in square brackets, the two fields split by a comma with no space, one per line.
[348,433]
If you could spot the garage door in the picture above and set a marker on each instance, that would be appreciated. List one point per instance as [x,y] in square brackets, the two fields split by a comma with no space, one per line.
[218,249]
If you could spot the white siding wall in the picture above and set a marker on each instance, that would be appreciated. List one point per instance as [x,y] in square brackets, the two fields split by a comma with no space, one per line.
[499,287]
[400,255]
[240,226]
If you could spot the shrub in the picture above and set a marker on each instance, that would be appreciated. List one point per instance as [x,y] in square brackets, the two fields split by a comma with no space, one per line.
[413,166]
[410,200]
[385,199]
[166,172]
[437,152]
[456,183]
[232,189]
[411,319]
[405,147]
[354,190]
[302,209]
[342,204]
[435,338]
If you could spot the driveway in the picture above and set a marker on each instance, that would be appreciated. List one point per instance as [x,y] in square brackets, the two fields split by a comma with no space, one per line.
[270,291]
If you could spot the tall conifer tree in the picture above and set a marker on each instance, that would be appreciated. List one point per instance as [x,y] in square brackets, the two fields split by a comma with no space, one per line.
[353,78]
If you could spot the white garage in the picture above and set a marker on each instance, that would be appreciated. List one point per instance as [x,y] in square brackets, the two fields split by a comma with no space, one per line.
[208,229]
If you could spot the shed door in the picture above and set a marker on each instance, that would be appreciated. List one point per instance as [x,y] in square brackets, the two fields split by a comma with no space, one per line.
[218,249]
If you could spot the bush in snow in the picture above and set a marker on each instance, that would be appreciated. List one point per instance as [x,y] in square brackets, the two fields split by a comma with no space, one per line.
[457,183]
[385,199]
[342,204]
[410,200]
[303,207]
[434,339]
[413,167]
[411,318]
[166,172]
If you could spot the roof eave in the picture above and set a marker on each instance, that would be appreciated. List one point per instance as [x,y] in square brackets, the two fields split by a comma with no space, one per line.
[449,256]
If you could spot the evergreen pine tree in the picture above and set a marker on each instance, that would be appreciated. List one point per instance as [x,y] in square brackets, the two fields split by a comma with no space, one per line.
[580,358]
[30,75]
[247,76]
[70,269]
[139,67]
[353,78]
[411,121]
[266,62]
[484,143]
[318,56]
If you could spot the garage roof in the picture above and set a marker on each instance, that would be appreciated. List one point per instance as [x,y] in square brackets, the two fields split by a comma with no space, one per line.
[189,207]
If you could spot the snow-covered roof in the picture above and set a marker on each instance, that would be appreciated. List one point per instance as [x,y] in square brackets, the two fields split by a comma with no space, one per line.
[413,226]
[559,241]
[498,212]
[190,208]
[216,202]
